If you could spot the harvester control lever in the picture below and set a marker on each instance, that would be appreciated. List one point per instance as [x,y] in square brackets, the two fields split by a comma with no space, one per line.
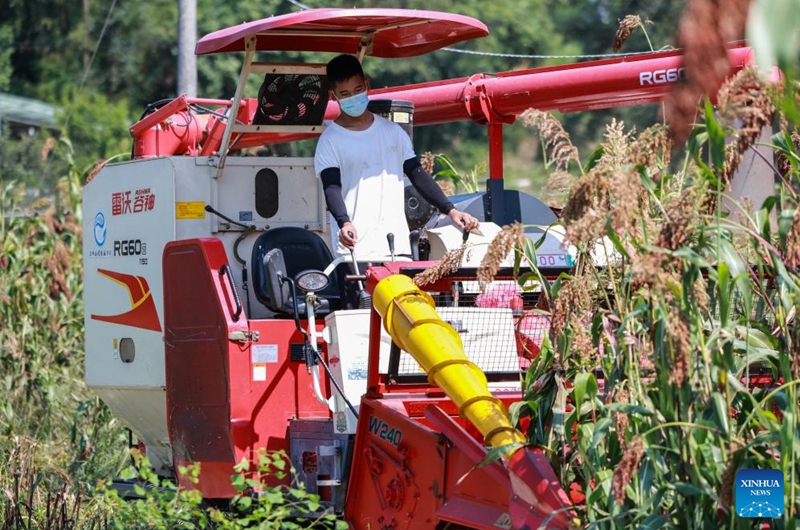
[390,239]
[423,245]
[364,299]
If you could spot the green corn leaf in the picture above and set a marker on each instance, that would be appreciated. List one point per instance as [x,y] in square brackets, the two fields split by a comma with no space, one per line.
[688,490]
[716,137]
[738,271]
[594,158]
[721,411]
[653,522]
[585,387]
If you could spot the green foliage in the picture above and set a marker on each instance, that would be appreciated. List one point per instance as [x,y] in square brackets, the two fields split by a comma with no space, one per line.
[445,171]
[693,303]
[43,315]
[775,17]
[97,128]
[31,161]
[56,437]
[162,505]
[768,19]
[6,41]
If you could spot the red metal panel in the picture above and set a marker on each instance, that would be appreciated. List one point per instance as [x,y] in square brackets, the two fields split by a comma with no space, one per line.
[397,477]
[488,497]
[200,401]
[395,32]
[287,392]
[407,475]
[219,410]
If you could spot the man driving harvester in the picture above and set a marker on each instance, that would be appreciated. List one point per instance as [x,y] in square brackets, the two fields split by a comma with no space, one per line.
[361,159]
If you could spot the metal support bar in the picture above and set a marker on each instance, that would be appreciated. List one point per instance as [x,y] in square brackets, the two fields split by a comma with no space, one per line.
[365,46]
[373,378]
[278,128]
[287,68]
[495,131]
[495,205]
[311,33]
[250,47]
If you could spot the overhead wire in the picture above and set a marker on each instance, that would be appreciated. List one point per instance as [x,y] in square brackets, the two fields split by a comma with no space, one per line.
[298,4]
[538,56]
[91,59]
[517,55]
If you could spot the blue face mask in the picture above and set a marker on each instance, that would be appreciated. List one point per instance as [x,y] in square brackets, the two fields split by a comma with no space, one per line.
[354,106]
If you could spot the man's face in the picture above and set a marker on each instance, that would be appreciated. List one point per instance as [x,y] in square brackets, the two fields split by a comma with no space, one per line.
[350,87]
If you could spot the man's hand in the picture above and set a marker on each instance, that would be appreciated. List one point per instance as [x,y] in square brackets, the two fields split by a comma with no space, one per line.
[463,220]
[348,236]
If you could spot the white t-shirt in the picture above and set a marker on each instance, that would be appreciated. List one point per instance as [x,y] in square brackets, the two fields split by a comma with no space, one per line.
[371,164]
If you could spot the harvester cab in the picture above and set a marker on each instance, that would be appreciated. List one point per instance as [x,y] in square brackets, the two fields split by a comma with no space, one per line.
[218,321]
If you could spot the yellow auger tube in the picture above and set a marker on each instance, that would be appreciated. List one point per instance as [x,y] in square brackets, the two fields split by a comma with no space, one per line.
[410,319]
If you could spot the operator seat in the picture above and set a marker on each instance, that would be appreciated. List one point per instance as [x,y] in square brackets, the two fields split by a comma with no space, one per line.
[302,250]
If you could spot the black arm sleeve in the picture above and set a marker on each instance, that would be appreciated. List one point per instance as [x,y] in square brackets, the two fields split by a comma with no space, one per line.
[426,186]
[332,187]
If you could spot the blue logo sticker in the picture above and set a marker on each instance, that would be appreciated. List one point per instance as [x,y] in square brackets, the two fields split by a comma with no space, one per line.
[100,229]
[759,493]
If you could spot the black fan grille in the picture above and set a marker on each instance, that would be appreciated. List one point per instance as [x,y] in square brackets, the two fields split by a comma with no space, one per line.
[292,99]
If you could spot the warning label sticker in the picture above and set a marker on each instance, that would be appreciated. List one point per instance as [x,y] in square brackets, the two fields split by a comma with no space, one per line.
[264,353]
[190,210]
[259,372]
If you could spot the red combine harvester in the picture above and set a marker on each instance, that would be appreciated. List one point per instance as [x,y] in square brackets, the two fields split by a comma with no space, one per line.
[209,361]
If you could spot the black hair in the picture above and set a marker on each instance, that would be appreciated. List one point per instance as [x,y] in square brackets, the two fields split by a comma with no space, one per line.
[343,67]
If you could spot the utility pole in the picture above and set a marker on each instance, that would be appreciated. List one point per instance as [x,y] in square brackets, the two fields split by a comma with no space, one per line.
[187,39]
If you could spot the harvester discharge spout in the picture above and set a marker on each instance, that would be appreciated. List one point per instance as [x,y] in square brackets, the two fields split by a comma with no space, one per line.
[411,320]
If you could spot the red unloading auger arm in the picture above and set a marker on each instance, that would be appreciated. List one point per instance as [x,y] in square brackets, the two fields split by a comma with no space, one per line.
[500,98]
[497,99]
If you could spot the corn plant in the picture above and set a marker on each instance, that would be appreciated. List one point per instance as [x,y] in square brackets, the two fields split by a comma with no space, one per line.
[56,439]
[676,363]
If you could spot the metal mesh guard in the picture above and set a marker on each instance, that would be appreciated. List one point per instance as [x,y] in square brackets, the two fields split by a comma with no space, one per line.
[498,335]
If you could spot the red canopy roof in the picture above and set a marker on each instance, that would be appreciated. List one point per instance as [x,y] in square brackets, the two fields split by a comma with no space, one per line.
[395,32]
